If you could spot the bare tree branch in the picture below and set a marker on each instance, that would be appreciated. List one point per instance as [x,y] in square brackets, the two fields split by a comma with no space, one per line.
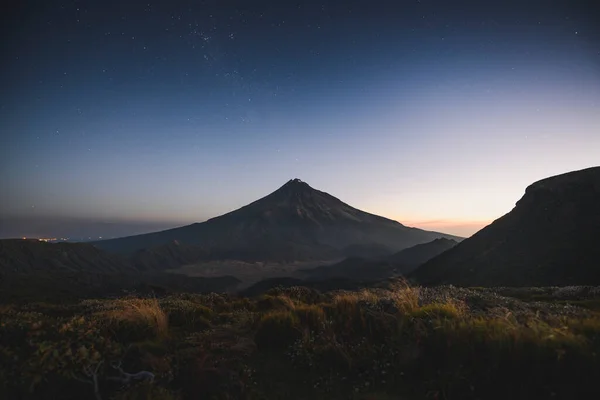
[93,374]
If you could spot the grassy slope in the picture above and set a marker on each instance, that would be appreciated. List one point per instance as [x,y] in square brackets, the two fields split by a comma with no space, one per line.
[297,343]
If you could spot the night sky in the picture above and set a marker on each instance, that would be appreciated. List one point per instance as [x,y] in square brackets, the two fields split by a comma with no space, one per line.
[120,117]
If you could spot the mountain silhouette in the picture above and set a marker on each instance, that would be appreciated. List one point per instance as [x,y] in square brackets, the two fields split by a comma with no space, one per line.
[294,223]
[551,237]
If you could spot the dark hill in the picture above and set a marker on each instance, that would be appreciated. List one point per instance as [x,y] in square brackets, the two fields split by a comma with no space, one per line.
[551,237]
[168,256]
[417,255]
[19,256]
[354,268]
[367,250]
[294,223]
[35,270]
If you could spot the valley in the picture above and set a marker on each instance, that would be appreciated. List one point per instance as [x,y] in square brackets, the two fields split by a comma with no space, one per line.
[248,273]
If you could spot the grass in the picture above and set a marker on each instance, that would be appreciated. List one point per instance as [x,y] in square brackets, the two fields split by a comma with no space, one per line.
[140,318]
[437,311]
[392,342]
[311,316]
[277,330]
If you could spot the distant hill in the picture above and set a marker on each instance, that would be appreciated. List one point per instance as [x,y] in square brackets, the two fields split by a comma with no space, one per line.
[417,255]
[355,268]
[362,269]
[551,237]
[168,256]
[32,256]
[367,250]
[294,223]
[35,270]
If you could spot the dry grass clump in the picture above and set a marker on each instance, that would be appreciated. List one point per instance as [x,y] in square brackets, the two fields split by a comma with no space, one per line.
[404,297]
[188,314]
[270,302]
[311,316]
[589,327]
[347,313]
[138,319]
[448,310]
[277,329]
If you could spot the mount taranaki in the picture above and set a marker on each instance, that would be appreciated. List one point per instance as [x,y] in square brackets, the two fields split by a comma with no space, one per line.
[294,223]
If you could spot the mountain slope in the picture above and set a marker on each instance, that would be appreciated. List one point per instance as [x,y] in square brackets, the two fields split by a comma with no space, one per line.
[296,222]
[411,258]
[551,237]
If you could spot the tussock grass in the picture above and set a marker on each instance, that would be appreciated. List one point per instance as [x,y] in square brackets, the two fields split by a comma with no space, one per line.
[274,302]
[437,311]
[139,318]
[188,314]
[312,316]
[590,327]
[346,314]
[405,297]
[277,329]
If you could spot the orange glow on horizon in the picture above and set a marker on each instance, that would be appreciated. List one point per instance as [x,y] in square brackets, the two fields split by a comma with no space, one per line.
[464,228]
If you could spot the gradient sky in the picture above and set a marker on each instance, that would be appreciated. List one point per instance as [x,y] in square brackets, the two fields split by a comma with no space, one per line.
[123,118]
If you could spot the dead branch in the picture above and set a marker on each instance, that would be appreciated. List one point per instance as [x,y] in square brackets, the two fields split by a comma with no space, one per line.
[92,374]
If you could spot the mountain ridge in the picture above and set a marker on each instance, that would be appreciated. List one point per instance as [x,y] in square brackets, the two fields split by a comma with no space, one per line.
[548,239]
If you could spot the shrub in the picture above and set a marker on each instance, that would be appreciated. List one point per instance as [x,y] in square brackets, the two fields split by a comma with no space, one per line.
[277,329]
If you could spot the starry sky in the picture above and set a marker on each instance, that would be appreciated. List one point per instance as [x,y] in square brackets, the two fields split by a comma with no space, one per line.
[120,117]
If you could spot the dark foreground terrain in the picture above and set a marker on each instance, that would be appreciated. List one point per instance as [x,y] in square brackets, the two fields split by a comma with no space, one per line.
[391,342]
